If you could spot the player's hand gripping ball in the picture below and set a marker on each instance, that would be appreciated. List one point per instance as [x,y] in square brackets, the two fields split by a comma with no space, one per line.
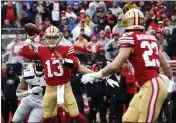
[31,29]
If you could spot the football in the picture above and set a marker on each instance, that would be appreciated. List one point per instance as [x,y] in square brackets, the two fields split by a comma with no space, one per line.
[31,29]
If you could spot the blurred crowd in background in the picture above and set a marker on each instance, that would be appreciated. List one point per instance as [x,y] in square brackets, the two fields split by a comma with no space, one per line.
[93,28]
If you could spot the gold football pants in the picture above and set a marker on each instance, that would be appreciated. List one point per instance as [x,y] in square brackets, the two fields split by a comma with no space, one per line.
[50,101]
[146,104]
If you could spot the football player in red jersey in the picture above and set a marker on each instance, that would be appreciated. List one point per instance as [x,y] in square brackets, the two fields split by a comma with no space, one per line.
[142,50]
[58,61]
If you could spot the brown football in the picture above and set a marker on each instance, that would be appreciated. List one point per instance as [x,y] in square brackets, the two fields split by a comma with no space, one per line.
[31,29]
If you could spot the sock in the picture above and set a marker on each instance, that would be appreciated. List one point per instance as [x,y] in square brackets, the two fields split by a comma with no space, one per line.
[47,120]
[80,118]
[54,119]
[64,116]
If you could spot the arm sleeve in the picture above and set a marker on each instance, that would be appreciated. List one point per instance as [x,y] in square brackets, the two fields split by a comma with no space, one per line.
[126,40]
[71,55]
[28,53]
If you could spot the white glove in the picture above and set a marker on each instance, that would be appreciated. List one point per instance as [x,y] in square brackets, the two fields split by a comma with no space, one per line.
[91,77]
[34,90]
[112,83]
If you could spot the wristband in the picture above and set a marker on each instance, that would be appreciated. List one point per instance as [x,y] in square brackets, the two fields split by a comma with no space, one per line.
[68,62]
[99,75]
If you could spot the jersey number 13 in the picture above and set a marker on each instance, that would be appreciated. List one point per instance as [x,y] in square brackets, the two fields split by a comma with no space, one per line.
[60,71]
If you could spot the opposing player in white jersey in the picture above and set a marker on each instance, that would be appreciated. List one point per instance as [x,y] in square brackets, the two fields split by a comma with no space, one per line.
[31,104]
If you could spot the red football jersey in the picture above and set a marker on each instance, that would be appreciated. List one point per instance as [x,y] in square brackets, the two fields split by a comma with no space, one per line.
[145,58]
[55,72]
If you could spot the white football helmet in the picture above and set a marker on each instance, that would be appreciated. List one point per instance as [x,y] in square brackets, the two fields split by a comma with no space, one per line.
[52,36]
[134,19]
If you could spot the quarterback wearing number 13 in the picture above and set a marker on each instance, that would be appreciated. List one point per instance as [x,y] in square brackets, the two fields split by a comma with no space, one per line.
[58,61]
[142,50]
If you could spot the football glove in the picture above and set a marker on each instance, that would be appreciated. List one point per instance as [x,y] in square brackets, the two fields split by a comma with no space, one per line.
[112,83]
[91,77]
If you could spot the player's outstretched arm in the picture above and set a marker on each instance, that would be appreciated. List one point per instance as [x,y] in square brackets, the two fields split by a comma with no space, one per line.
[165,65]
[116,65]
[84,70]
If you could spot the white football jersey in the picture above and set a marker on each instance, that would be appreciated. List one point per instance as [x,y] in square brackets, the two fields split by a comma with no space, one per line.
[33,80]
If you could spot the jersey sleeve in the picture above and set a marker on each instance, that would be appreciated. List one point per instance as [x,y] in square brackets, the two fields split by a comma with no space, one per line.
[28,53]
[71,55]
[126,40]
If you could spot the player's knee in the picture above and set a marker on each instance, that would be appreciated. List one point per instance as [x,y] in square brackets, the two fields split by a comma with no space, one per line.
[130,116]
[73,113]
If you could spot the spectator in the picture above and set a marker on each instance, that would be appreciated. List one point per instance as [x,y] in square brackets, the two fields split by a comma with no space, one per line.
[111,20]
[111,49]
[3,74]
[70,13]
[76,8]
[65,28]
[161,27]
[82,25]
[25,19]
[131,88]
[10,82]
[67,36]
[91,11]
[89,22]
[95,46]
[3,69]
[40,37]
[72,24]
[102,22]
[7,27]
[62,14]
[46,23]
[55,13]
[78,89]
[173,20]
[15,58]
[82,15]
[64,21]
[40,9]
[9,12]
[168,38]
[108,33]
[97,99]
[116,10]
[81,43]
[116,98]
[102,38]
[130,5]
[96,30]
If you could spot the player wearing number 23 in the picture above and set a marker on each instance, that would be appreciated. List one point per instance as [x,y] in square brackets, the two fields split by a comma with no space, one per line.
[142,50]
[58,61]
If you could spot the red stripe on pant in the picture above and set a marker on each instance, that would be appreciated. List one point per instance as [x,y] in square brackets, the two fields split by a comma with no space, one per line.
[156,98]
[153,99]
